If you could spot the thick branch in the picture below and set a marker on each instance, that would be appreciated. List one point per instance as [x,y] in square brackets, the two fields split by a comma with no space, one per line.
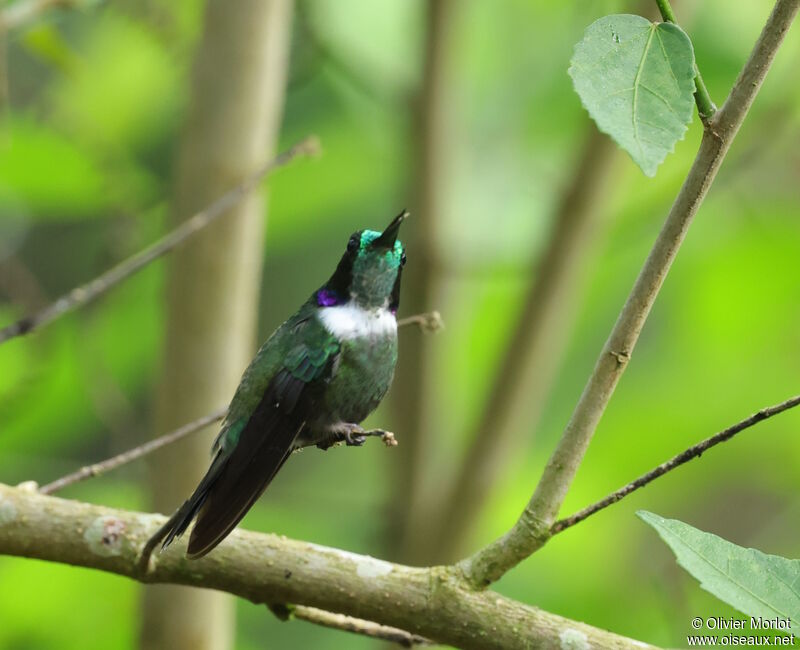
[695,451]
[83,294]
[433,602]
[532,529]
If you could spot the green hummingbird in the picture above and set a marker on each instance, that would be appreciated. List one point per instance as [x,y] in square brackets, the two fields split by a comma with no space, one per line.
[314,380]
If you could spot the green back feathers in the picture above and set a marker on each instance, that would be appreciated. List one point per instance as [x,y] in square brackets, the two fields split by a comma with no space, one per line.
[302,346]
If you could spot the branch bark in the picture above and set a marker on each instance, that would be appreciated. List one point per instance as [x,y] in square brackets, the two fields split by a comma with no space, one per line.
[432,602]
[350,624]
[532,529]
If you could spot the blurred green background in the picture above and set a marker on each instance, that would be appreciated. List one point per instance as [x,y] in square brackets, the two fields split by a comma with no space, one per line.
[96,97]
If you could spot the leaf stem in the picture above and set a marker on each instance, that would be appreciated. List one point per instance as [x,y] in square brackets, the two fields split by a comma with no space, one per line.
[705,105]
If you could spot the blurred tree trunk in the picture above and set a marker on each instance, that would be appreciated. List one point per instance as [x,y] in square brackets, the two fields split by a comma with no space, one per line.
[533,353]
[213,283]
[414,391]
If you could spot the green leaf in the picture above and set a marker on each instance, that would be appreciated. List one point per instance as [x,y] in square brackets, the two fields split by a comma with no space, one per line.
[636,79]
[754,583]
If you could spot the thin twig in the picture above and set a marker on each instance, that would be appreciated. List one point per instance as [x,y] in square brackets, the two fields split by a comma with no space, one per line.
[532,529]
[90,471]
[705,105]
[429,322]
[83,294]
[349,624]
[692,452]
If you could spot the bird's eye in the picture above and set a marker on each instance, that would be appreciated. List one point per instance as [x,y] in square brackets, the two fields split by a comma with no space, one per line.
[403,259]
[352,245]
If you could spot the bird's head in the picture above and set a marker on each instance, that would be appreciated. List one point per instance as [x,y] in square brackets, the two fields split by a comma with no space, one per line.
[369,272]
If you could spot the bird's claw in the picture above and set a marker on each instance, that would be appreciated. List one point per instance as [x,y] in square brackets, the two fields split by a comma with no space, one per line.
[354,439]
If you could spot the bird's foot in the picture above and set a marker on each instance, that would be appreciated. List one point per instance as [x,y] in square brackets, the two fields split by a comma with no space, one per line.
[355,436]
[356,440]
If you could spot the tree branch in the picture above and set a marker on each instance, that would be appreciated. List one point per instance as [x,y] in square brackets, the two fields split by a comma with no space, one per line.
[83,294]
[349,624]
[98,469]
[532,529]
[691,453]
[428,322]
[432,602]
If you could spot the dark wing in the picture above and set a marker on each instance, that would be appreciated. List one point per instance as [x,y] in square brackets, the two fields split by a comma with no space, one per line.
[255,449]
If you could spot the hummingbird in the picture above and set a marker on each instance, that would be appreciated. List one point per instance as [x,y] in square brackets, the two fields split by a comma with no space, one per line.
[314,380]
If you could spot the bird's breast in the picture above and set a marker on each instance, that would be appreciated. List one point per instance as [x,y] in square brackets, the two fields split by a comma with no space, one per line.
[351,322]
[365,366]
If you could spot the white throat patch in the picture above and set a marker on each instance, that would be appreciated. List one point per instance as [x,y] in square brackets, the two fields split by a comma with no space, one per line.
[349,322]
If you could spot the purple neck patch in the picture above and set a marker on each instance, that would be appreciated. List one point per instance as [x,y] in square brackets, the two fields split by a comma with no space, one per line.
[327,298]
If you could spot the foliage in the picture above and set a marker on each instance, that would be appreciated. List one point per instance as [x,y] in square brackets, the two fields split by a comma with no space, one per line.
[756,584]
[636,79]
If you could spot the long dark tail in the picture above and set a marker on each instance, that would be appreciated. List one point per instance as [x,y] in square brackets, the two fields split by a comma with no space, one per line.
[179,522]
[176,525]
[237,477]
[226,503]
[219,503]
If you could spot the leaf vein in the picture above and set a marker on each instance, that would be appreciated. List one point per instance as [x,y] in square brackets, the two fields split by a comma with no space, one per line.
[725,574]
[664,100]
[669,61]
[636,83]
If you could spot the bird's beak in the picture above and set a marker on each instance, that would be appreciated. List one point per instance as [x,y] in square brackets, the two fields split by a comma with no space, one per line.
[389,235]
